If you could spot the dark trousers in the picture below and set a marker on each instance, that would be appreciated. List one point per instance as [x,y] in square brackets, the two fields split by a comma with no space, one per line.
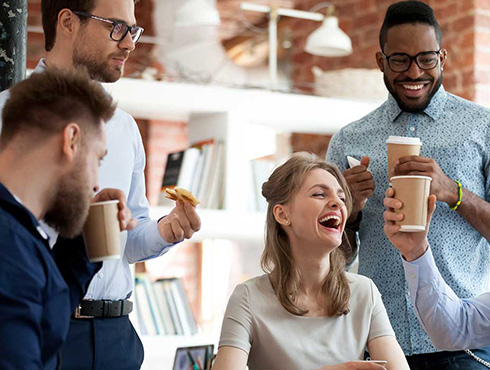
[102,344]
[458,360]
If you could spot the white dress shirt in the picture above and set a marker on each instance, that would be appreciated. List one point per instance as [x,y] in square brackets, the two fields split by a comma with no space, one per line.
[452,323]
[122,168]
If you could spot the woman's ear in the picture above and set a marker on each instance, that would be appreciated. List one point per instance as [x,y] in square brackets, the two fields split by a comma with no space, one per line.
[281,214]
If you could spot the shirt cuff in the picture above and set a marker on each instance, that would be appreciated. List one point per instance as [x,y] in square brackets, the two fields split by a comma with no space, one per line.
[154,238]
[421,272]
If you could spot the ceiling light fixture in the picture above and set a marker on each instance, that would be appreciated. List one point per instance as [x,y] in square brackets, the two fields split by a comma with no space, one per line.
[328,40]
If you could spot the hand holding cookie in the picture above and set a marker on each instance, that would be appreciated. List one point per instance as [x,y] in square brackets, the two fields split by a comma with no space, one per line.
[183,221]
[182,195]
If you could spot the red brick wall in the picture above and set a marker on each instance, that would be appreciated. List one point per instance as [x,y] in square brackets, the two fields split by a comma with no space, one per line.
[160,138]
[482,51]
[466,33]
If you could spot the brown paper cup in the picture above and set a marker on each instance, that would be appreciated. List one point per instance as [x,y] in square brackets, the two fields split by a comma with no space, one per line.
[101,232]
[399,146]
[413,192]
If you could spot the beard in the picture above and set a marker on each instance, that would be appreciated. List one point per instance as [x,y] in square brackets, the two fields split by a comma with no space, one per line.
[96,65]
[413,108]
[71,204]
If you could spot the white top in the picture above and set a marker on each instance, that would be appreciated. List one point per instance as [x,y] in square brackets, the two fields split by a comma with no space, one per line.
[122,168]
[256,322]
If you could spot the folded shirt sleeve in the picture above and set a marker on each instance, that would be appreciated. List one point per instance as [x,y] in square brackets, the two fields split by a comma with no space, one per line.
[237,323]
[380,323]
[451,323]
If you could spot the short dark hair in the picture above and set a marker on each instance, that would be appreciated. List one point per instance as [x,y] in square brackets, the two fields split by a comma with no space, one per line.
[46,102]
[404,12]
[50,10]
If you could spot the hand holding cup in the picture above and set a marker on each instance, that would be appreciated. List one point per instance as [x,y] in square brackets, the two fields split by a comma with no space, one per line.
[445,189]
[126,222]
[411,245]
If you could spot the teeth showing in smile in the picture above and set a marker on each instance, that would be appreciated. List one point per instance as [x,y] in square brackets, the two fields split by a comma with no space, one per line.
[330,221]
[413,87]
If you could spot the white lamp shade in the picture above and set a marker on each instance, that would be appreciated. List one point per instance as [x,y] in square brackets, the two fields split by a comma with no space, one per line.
[329,40]
[197,13]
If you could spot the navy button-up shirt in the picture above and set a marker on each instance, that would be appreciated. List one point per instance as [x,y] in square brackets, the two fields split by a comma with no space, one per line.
[456,134]
[35,300]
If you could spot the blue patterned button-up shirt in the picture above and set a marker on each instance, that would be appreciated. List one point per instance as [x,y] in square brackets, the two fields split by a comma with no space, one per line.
[456,134]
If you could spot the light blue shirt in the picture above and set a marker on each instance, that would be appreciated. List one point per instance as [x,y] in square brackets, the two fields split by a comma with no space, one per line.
[456,134]
[122,168]
[452,323]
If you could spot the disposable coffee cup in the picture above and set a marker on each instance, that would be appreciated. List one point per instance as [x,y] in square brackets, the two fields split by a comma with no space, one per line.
[413,192]
[400,146]
[101,232]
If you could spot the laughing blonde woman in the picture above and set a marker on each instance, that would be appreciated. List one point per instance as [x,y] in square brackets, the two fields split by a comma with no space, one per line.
[305,312]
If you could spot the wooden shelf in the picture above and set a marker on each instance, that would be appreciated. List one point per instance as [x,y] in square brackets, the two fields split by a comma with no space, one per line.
[222,224]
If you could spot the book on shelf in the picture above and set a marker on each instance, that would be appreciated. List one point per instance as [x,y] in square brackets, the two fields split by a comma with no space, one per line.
[171,174]
[144,317]
[200,169]
[163,307]
[261,170]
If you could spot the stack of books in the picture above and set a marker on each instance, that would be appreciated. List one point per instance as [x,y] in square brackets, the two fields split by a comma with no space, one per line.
[162,307]
[200,169]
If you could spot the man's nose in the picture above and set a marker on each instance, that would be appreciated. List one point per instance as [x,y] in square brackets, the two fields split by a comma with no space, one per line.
[414,71]
[127,43]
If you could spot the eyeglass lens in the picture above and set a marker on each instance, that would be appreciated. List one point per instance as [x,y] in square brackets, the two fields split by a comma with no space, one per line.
[401,63]
[120,30]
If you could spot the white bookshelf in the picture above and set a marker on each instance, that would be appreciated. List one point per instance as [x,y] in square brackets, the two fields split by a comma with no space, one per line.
[221,224]
[285,112]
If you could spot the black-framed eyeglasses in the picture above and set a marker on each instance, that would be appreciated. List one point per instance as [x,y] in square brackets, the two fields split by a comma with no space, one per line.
[119,29]
[400,62]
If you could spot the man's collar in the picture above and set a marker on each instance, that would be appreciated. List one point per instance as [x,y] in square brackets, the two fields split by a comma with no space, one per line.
[21,213]
[433,110]
[41,66]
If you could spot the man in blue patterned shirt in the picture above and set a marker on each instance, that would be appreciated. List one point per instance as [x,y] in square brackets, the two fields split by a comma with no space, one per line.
[456,146]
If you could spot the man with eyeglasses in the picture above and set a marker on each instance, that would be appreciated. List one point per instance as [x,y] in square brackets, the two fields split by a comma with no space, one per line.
[99,35]
[456,144]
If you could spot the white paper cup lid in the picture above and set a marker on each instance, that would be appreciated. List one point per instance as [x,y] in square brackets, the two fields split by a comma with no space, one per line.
[104,202]
[403,140]
[411,177]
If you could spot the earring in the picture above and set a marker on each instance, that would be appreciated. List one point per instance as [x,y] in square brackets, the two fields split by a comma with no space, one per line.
[287,222]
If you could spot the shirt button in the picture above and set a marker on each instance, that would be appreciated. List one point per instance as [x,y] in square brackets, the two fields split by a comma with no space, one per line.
[412,276]
[100,275]
[412,129]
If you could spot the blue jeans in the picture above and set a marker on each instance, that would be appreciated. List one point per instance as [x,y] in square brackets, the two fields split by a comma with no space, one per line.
[458,360]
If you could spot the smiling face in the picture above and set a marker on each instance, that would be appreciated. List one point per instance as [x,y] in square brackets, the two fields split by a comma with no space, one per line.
[317,213]
[414,88]
[93,47]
